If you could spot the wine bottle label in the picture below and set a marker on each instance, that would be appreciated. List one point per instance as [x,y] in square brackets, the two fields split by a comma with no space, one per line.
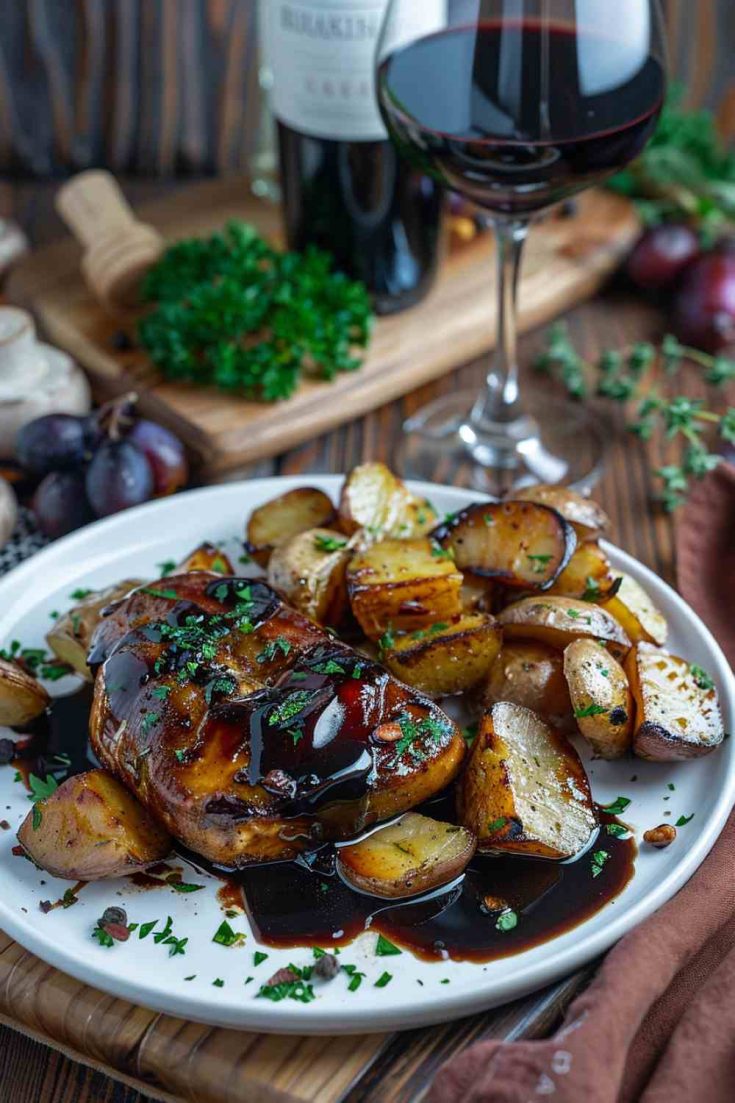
[321,54]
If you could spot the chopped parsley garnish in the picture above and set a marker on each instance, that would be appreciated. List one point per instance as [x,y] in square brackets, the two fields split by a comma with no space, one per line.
[599,858]
[103,937]
[161,692]
[385,948]
[148,721]
[180,754]
[167,567]
[329,667]
[184,886]
[329,543]
[79,595]
[225,936]
[218,983]
[386,642]
[285,712]
[539,562]
[469,734]
[165,933]
[617,806]
[146,928]
[670,785]
[272,649]
[220,565]
[176,945]
[488,519]
[170,595]
[701,677]
[592,589]
[617,830]
[295,989]
[41,788]
[438,552]
[36,661]
[422,633]
[37,817]
[590,710]
[495,825]
[383,979]
[507,920]
[414,730]
[295,734]
[356,977]
[684,820]
[259,957]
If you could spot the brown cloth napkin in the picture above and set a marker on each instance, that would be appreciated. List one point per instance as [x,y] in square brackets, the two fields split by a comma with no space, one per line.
[657,1025]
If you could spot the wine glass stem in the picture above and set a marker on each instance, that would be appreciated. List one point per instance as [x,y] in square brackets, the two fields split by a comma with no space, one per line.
[500,402]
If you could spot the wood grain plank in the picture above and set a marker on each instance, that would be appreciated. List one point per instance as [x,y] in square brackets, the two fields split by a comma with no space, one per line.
[567,260]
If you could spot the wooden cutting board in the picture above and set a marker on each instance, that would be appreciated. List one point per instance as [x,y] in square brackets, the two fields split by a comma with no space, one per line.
[567,259]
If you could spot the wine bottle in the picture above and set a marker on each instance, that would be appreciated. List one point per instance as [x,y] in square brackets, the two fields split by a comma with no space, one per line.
[345,189]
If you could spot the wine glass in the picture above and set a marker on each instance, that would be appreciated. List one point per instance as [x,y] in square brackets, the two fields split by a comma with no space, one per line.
[517,105]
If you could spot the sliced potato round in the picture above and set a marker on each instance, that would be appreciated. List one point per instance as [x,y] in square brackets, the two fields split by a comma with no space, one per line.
[588,518]
[376,500]
[414,855]
[677,711]
[446,658]
[71,634]
[521,544]
[91,828]
[275,522]
[633,609]
[22,697]
[207,557]
[601,698]
[559,620]
[309,570]
[587,576]
[531,674]
[402,586]
[525,790]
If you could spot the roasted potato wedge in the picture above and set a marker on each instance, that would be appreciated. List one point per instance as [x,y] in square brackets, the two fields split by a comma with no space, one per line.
[601,698]
[309,570]
[521,544]
[587,576]
[531,674]
[207,557]
[524,790]
[374,499]
[446,658]
[589,520]
[403,586]
[477,594]
[633,609]
[70,637]
[416,854]
[559,620]
[677,710]
[275,522]
[22,697]
[91,828]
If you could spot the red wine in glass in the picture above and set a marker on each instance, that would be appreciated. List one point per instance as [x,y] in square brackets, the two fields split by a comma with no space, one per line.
[517,105]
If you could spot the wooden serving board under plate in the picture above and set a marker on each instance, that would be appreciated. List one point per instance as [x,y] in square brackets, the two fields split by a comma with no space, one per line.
[567,260]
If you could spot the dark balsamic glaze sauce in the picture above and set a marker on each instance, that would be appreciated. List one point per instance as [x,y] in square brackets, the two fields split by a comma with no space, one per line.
[305,902]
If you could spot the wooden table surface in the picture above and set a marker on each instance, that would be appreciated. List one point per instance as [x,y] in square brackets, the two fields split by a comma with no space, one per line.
[32,1073]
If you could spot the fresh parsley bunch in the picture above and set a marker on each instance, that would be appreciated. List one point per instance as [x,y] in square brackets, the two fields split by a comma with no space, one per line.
[230,311]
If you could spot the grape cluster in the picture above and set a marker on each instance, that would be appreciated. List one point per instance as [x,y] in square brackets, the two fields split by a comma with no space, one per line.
[97,465]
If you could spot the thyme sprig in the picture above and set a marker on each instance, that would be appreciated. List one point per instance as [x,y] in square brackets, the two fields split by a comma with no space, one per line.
[623,375]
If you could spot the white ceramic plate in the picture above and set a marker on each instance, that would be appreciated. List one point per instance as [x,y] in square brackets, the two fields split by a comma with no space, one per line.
[132,544]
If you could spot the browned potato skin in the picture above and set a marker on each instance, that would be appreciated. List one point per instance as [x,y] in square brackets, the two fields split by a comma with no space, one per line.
[412,856]
[588,518]
[70,637]
[310,579]
[22,697]
[634,610]
[531,674]
[521,544]
[449,661]
[206,557]
[661,741]
[588,575]
[277,521]
[557,621]
[490,807]
[402,586]
[377,501]
[597,680]
[92,828]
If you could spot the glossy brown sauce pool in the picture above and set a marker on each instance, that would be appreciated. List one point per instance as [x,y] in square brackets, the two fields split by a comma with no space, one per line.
[306,902]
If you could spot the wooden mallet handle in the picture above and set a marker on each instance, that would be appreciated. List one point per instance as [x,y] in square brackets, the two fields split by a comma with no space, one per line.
[118,249]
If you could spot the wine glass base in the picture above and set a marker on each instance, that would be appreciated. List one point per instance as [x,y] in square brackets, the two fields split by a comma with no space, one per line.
[555,441]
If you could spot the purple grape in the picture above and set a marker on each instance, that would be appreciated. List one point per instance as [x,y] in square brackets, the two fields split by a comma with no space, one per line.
[164,452]
[661,255]
[60,503]
[704,307]
[53,442]
[118,477]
